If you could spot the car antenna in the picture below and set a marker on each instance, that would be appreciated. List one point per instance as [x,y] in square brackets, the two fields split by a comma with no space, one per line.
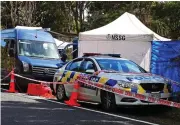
[36,34]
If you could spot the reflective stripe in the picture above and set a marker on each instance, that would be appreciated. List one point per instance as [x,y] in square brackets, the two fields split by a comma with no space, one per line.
[141,90]
[134,89]
[111,82]
[103,80]
[68,76]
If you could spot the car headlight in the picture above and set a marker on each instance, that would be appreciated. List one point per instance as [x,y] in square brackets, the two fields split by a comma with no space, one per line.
[25,66]
[125,84]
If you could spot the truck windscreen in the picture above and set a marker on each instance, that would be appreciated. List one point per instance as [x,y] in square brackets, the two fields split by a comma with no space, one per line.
[38,49]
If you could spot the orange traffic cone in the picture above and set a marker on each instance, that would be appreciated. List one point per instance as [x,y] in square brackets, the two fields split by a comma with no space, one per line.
[12,84]
[73,99]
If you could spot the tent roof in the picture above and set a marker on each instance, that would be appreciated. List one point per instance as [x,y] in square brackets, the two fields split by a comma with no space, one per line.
[58,42]
[61,44]
[125,24]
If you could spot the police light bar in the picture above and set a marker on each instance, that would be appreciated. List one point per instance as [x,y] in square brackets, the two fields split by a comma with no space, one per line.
[114,55]
[90,54]
[99,54]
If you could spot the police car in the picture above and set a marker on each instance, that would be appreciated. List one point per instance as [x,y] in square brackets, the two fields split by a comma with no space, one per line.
[123,74]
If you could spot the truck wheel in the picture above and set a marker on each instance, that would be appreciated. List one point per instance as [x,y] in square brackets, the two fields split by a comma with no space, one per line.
[60,93]
[108,101]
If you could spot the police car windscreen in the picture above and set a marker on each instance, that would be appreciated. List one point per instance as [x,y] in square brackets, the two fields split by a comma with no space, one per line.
[126,66]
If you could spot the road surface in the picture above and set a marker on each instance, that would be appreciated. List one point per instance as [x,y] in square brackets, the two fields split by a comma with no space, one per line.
[21,109]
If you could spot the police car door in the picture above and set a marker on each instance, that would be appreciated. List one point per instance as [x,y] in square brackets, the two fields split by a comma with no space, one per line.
[89,92]
[73,67]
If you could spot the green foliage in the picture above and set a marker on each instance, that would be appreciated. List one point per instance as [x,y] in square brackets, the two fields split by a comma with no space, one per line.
[169,14]
[102,13]
[69,16]
[55,15]
[18,13]
[161,17]
[6,62]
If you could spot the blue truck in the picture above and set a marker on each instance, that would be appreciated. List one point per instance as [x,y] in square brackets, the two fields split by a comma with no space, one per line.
[34,52]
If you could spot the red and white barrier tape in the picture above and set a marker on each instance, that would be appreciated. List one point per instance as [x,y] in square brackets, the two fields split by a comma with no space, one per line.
[96,73]
[130,94]
[6,76]
[40,81]
[118,91]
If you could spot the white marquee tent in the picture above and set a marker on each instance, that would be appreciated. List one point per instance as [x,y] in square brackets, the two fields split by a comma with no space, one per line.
[127,36]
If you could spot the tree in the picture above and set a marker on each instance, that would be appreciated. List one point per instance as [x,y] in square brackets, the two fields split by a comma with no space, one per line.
[69,16]
[5,15]
[78,10]
[18,13]
[168,14]
[102,13]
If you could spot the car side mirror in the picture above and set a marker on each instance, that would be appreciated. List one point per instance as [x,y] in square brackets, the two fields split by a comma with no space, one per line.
[64,57]
[60,51]
[90,71]
[11,52]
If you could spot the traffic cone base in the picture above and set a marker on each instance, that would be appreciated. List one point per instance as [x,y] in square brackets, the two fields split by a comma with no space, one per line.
[12,84]
[10,91]
[73,99]
[49,96]
[72,103]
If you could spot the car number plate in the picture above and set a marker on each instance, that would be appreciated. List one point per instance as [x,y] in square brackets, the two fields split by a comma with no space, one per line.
[155,95]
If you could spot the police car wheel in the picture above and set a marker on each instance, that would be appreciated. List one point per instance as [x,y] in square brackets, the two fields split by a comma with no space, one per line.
[108,101]
[60,93]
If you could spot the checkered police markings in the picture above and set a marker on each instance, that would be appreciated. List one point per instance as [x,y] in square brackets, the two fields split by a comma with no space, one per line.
[82,108]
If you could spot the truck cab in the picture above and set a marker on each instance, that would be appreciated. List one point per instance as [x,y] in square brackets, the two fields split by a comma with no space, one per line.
[34,54]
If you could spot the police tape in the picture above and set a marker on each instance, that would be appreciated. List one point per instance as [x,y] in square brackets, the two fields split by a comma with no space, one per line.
[40,81]
[128,93]
[6,76]
[96,73]
[85,80]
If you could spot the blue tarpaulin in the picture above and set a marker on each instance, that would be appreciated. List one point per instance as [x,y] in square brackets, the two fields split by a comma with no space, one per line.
[165,60]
